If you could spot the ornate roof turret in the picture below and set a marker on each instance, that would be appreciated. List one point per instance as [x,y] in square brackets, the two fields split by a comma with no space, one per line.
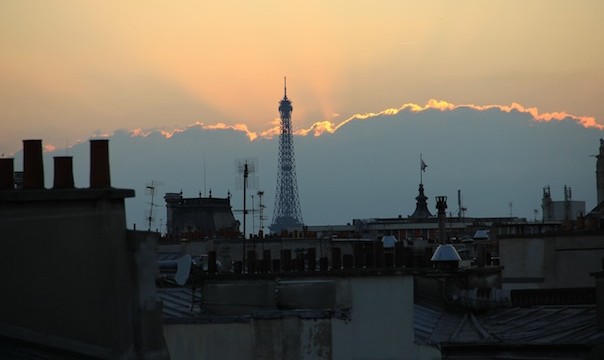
[421,209]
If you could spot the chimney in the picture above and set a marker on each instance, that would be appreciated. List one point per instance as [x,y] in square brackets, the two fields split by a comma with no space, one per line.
[33,166]
[63,172]
[99,164]
[446,256]
[7,170]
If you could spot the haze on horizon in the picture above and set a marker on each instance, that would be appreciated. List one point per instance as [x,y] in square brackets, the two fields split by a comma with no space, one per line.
[70,70]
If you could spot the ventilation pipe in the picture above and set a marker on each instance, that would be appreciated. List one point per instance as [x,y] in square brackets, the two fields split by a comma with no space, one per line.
[63,172]
[33,166]
[7,171]
[99,164]
[441,206]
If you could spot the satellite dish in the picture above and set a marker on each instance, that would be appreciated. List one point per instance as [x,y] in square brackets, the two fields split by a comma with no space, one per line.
[183,268]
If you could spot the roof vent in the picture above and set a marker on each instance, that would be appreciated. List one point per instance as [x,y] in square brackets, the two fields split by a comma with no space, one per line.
[389,241]
[481,235]
[445,257]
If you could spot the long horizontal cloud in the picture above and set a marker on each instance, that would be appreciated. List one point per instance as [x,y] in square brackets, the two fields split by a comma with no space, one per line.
[329,127]
[219,126]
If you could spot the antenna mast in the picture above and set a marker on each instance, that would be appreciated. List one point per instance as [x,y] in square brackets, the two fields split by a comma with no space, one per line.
[261,208]
[150,190]
[246,167]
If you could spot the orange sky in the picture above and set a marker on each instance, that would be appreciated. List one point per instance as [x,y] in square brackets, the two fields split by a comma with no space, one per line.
[71,69]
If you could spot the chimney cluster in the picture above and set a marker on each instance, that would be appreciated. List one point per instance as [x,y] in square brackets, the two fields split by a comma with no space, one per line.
[33,167]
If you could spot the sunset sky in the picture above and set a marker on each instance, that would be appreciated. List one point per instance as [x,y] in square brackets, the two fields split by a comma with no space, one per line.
[70,70]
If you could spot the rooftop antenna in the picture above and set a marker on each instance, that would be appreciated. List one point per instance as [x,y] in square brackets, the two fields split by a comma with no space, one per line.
[204,175]
[245,168]
[253,216]
[461,210]
[261,210]
[150,191]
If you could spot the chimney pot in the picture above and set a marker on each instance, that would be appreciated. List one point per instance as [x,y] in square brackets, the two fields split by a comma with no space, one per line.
[33,166]
[99,164]
[441,206]
[7,171]
[63,172]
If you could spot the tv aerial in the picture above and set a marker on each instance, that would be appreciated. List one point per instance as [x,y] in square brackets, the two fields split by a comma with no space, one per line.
[246,178]
[150,190]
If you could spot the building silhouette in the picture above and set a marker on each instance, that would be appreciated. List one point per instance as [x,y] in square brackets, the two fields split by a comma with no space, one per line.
[199,217]
[287,211]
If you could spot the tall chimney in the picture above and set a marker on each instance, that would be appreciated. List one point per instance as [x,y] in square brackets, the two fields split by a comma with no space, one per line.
[33,166]
[63,172]
[99,164]
[441,206]
[7,171]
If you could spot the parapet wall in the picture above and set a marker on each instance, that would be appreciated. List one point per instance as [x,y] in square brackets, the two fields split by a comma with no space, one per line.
[361,317]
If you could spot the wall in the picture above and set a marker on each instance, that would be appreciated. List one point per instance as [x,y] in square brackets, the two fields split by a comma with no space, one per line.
[523,262]
[371,317]
[209,341]
[551,261]
[381,324]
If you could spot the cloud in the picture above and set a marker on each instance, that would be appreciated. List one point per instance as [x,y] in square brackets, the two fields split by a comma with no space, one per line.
[168,134]
[330,127]
[326,126]
[237,127]
[49,148]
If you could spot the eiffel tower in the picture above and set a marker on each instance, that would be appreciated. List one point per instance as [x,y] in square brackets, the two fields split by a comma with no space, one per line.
[287,212]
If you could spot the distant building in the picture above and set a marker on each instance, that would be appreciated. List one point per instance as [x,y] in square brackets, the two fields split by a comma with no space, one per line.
[567,209]
[200,217]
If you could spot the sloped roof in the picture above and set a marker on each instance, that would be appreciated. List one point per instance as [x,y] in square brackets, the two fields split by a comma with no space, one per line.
[537,325]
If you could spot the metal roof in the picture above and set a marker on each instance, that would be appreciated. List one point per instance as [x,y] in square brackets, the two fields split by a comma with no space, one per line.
[537,325]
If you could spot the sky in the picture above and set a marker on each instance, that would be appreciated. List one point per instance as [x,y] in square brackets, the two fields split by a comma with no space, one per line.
[70,70]
[74,70]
